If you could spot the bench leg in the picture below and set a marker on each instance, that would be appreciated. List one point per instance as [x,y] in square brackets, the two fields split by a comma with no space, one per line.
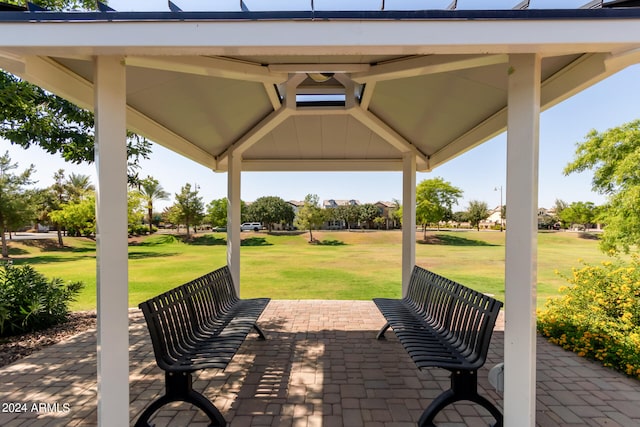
[179,388]
[382,331]
[464,386]
[259,331]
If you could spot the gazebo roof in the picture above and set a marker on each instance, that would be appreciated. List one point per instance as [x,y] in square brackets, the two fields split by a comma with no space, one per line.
[319,90]
[284,89]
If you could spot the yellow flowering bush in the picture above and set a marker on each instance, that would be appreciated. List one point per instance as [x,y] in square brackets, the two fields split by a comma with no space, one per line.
[598,315]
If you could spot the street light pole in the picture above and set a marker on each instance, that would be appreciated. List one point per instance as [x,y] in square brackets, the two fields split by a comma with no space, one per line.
[501,224]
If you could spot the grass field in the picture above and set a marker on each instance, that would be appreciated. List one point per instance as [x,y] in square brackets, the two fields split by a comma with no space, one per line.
[345,265]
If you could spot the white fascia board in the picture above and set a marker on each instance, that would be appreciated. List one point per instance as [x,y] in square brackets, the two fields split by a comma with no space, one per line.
[558,36]
[206,66]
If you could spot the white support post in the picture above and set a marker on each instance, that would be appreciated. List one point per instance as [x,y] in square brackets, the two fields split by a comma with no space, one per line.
[111,214]
[408,219]
[233,217]
[521,240]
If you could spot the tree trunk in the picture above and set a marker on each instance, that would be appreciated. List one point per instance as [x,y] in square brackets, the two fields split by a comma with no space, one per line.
[150,219]
[5,249]
[60,242]
[310,235]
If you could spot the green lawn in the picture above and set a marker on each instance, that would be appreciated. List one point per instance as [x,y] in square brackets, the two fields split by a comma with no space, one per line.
[346,265]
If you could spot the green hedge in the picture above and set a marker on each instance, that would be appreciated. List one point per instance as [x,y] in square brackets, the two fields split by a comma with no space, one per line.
[598,316]
[30,302]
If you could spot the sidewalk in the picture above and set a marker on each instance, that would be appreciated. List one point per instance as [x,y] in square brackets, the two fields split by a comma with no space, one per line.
[321,366]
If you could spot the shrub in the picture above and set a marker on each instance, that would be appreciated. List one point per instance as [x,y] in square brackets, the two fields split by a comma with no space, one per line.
[599,315]
[138,229]
[29,302]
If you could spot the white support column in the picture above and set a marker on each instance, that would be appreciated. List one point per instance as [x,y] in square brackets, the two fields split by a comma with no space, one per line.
[233,217]
[111,214]
[521,243]
[408,219]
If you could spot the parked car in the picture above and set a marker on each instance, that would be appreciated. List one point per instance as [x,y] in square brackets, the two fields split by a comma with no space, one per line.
[248,226]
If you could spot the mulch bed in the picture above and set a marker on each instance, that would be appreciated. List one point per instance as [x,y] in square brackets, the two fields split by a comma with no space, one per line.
[18,346]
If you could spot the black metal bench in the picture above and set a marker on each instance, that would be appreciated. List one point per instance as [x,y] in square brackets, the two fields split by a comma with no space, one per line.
[198,325]
[444,324]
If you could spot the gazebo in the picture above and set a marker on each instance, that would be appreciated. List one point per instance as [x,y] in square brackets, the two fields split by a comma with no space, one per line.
[242,90]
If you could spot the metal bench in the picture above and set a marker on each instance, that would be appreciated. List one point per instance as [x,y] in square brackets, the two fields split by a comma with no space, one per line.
[198,325]
[444,324]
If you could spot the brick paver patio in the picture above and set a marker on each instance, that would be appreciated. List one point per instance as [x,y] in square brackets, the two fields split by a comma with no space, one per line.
[321,366]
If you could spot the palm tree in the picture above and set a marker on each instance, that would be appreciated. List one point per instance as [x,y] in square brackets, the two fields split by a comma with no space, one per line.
[151,190]
[78,186]
[58,193]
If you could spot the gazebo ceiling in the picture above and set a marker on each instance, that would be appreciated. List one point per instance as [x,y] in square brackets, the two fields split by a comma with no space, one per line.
[287,102]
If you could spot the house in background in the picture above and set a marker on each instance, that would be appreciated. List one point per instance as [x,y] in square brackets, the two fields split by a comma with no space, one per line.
[494,219]
[547,218]
[296,205]
[387,211]
[338,224]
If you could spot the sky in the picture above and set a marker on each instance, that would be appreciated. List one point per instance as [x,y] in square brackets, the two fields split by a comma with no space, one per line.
[480,173]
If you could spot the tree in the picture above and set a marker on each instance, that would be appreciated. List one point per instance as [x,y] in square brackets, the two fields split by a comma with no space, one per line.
[380,222]
[503,216]
[172,215]
[583,213]
[348,214]
[150,190]
[64,191]
[190,208]
[135,213]
[460,217]
[367,213]
[613,156]
[57,196]
[59,4]
[78,216]
[271,210]
[30,115]
[434,200]
[12,196]
[78,186]
[310,215]
[477,212]
[217,212]
[397,212]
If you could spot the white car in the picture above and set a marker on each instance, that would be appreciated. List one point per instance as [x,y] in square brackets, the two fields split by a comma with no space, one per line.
[248,226]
